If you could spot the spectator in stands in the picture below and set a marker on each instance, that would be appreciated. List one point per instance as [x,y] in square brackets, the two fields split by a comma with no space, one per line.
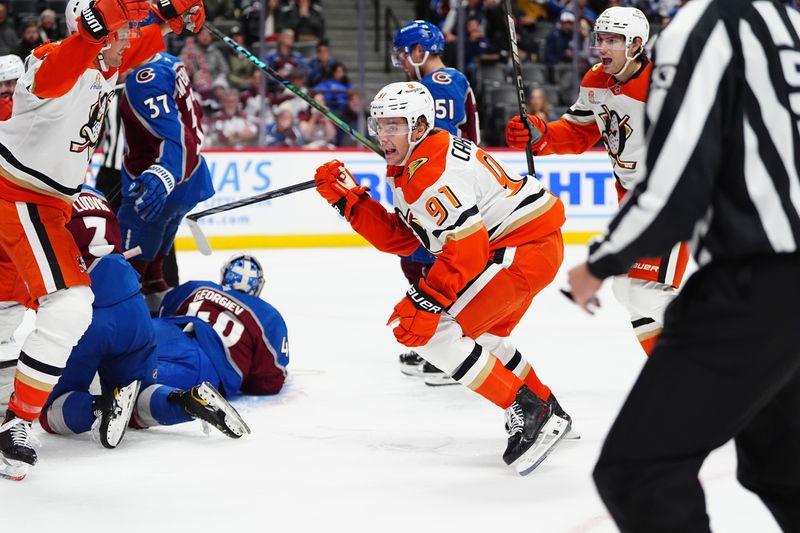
[297,78]
[539,105]
[320,67]
[254,105]
[48,26]
[284,132]
[8,33]
[472,9]
[305,18]
[477,49]
[241,69]
[285,58]
[230,127]
[29,38]
[204,63]
[272,23]
[224,9]
[350,115]
[558,44]
[335,89]
[318,131]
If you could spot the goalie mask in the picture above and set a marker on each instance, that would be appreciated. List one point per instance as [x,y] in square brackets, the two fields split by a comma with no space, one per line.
[628,22]
[408,100]
[243,273]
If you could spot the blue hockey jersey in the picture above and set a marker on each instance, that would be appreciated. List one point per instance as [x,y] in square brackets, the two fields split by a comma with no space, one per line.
[454,103]
[163,126]
[253,332]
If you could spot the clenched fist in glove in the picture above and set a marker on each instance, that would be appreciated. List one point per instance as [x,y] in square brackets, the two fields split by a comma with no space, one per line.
[103,17]
[151,189]
[518,135]
[338,187]
[417,315]
[180,14]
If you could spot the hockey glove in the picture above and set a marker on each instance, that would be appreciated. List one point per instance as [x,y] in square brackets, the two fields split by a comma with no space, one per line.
[417,315]
[103,17]
[338,187]
[182,14]
[151,189]
[518,136]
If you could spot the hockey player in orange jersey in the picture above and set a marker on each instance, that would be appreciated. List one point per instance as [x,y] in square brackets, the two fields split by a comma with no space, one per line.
[10,70]
[611,107]
[497,241]
[45,149]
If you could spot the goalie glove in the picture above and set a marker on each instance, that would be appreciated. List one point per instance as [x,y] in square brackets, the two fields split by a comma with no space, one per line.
[151,189]
[181,14]
[338,186]
[103,17]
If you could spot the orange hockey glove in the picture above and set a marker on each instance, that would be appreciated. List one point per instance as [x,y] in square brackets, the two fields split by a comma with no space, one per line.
[181,14]
[103,17]
[338,187]
[417,315]
[518,136]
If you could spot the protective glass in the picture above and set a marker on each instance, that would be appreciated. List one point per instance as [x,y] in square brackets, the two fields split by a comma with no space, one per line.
[398,56]
[132,31]
[611,41]
[395,128]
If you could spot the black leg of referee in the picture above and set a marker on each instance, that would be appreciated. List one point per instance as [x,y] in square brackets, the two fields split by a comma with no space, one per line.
[727,366]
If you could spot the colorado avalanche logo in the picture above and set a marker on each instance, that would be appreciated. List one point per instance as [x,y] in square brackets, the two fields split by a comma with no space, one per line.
[441,77]
[615,135]
[145,75]
[90,132]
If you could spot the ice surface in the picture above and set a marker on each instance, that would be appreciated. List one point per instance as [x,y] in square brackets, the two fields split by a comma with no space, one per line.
[351,444]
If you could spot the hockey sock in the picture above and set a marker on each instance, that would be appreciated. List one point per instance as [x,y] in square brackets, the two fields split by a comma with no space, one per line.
[29,397]
[484,373]
[524,371]
[69,413]
[649,343]
[153,278]
[154,408]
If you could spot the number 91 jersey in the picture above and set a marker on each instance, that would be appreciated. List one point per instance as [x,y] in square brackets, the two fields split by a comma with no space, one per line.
[253,332]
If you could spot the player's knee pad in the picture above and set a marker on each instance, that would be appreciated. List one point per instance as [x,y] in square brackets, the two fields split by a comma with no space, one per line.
[448,347]
[643,298]
[61,320]
[11,315]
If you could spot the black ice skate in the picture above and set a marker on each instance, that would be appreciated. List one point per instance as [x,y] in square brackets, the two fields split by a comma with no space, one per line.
[411,363]
[534,430]
[434,377]
[113,412]
[206,403]
[16,447]
[559,412]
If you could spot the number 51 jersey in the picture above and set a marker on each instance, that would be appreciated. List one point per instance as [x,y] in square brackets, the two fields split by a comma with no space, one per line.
[253,332]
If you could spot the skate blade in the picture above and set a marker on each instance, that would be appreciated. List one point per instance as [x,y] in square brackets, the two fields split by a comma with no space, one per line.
[411,370]
[116,431]
[554,430]
[233,420]
[439,380]
[572,434]
[13,470]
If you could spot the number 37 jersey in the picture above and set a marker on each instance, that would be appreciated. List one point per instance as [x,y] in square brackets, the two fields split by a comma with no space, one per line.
[253,332]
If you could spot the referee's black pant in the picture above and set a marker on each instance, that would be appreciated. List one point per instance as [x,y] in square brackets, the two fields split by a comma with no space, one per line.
[727,366]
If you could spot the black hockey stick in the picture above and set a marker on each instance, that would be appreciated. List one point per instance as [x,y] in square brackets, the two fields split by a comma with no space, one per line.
[523,107]
[8,364]
[199,237]
[244,52]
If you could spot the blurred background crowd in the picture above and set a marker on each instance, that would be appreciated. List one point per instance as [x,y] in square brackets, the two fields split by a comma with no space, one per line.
[245,108]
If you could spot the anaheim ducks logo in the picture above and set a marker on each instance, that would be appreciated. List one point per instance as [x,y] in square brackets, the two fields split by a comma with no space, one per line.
[414,166]
[615,135]
[90,132]
[416,227]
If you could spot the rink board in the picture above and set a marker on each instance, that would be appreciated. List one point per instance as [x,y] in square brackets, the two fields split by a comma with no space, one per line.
[585,183]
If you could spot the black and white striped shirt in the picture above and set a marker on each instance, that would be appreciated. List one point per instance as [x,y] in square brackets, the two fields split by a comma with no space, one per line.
[723,139]
[113,143]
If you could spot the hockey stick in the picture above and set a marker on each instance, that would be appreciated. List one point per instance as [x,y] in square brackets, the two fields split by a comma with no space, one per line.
[244,52]
[523,108]
[199,237]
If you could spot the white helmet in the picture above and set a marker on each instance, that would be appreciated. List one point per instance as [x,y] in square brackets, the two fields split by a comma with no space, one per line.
[627,21]
[10,67]
[409,100]
[74,8]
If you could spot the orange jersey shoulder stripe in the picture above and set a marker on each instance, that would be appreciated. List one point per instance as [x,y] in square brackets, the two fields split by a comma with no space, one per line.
[425,165]
[635,88]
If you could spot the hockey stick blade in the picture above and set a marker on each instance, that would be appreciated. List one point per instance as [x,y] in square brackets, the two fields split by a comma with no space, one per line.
[591,307]
[199,237]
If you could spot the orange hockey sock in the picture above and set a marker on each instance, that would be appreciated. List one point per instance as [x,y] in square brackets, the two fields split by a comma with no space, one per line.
[499,385]
[529,377]
[29,397]
[649,343]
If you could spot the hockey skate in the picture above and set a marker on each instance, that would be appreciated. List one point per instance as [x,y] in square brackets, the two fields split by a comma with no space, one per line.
[203,401]
[113,412]
[559,412]
[533,431]
[434,377]
[16,447]
[411,363]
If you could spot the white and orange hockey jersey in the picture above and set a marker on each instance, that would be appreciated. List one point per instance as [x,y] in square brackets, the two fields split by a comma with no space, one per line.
[59,104]
[461,204]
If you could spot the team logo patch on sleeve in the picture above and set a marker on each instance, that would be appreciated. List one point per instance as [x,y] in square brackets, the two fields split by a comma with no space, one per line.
[414,166]
[145,75]
[441,77]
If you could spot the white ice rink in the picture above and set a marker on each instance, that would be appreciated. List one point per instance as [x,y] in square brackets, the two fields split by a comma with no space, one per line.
[353,445]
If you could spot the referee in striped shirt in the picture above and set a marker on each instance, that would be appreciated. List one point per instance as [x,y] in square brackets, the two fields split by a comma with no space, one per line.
[723,117]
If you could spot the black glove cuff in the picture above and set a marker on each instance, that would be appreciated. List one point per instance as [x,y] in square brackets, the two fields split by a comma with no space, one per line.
[93,23]
[422,301]
[166,9]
